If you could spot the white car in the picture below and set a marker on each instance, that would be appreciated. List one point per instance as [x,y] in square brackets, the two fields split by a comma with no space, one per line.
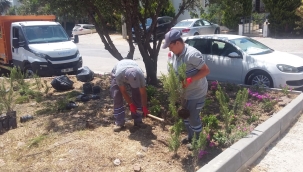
[243,60]
[191,27]
[81,29]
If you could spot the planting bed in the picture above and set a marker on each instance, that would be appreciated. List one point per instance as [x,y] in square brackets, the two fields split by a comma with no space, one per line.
[82,139]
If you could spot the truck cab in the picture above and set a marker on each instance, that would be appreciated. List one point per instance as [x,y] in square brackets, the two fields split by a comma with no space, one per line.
[44,48]
[37,45]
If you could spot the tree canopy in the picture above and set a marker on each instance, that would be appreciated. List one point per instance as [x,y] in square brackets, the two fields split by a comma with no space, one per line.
[282,14]
[4,5]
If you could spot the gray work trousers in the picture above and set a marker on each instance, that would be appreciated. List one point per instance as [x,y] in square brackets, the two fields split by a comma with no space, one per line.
[193,124]
[119,109]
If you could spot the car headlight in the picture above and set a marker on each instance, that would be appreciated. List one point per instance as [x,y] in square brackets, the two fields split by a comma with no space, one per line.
[77,53]
[38,54]
[287,68]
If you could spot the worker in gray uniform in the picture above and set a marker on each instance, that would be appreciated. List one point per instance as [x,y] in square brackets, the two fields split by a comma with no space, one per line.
[127,72]
[195,84]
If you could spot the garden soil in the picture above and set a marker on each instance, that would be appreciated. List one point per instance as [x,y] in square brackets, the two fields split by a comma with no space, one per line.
[82,139]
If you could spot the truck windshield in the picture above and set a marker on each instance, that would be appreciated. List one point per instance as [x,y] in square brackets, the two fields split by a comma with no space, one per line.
[45,34]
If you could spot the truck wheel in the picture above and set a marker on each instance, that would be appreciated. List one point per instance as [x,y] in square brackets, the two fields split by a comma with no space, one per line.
[28,72]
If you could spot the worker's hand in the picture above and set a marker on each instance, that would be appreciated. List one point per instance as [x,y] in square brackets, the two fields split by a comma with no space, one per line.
[187,82]
[133,108]
[145,111]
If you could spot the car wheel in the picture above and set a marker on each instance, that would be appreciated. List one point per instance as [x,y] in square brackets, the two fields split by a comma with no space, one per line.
[28,72]
[217,31]
[196,34]
[260,79]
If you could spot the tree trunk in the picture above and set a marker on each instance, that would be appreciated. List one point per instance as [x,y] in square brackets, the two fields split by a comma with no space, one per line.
[151,71]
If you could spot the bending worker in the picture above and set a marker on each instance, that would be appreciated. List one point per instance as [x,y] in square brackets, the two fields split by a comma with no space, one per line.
[127,72]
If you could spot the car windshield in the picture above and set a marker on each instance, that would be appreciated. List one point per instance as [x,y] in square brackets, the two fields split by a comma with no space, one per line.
[184,24]
[251,46]
[45,34]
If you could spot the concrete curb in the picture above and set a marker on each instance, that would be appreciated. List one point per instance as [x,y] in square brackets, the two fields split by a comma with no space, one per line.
[243,153]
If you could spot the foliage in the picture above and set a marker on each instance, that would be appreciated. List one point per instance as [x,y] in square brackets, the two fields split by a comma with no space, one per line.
[174,141]
[7,94]
[155,107]
[172,83]
[213,14]
[61,104]
[299,13]
[282,14]
[241,99]
[258,17]
[150,91]
[4,5]
[224,110]
[268,105]
[286,89]
[37,140]
[211,122]
[198,143]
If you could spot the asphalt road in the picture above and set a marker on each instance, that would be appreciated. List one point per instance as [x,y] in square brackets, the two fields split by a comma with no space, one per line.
[100,60]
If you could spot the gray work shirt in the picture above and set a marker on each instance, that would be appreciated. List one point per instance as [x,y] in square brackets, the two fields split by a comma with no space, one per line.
[119,72]
[194,61]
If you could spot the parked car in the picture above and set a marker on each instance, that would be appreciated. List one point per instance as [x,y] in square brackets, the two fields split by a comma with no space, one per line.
[191,27]
[243,60]
[162,27]
[81,29]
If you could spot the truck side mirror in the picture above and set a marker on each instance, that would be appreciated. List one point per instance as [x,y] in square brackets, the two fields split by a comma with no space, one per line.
[16,43]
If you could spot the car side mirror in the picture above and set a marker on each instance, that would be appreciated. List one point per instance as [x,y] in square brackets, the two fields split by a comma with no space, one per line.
[234,55]
[16,43]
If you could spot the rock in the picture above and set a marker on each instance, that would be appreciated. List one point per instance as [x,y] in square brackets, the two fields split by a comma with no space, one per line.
[117,162]
[137,168]
[33,104]
[20,144]
[144,149]
[140,155]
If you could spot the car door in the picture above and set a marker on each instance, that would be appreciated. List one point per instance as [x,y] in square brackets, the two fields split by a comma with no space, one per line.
[223,66]
[207,27]
[202,45]
[197,27]
[18,54]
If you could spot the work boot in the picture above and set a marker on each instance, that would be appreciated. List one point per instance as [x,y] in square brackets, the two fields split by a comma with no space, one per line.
[185,141]
[119,128]
[140,125]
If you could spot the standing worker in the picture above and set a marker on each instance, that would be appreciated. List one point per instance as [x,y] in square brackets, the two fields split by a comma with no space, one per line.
[127,72]
[195,85]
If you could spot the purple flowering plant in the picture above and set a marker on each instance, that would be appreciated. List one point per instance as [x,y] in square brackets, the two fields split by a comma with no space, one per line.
[202,153]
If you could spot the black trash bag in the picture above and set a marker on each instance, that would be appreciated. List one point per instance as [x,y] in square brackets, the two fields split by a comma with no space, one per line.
[87,88]
[85,74]
[62,83]
[96,89]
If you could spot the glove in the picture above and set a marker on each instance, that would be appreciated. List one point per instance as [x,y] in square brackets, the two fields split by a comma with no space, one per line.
[145,111]
[187,82]
[133,108]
